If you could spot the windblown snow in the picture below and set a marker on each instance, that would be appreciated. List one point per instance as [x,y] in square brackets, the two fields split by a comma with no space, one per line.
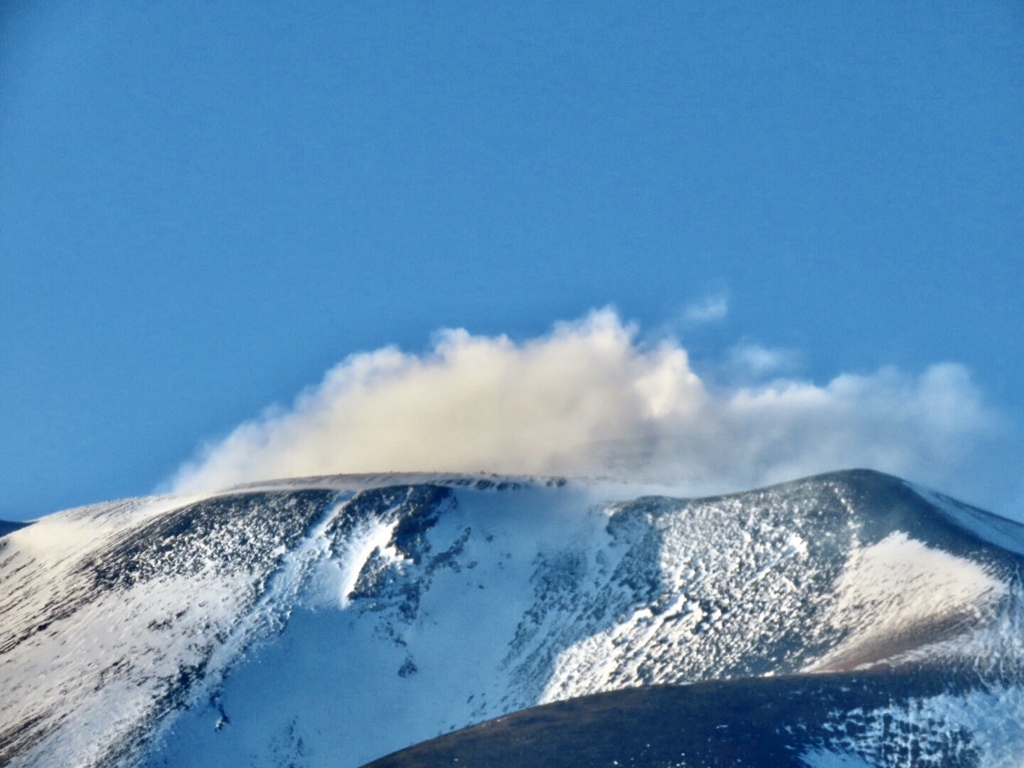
[333,620]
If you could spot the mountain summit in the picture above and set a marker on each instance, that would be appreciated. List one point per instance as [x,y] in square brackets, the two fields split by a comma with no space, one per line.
[331,621]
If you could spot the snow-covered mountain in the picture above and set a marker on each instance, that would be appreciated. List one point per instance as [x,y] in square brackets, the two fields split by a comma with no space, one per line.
[331,621]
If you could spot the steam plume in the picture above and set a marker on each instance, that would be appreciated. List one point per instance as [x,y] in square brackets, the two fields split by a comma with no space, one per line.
[587,398]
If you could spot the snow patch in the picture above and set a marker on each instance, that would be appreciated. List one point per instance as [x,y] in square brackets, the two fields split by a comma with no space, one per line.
[890,592]
[981,726]
[373,536]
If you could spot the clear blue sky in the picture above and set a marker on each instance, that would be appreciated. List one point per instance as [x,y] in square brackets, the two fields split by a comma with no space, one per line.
[205,205]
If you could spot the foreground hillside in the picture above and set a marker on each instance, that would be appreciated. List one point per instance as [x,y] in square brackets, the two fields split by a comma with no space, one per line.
[920,717]
[331,621]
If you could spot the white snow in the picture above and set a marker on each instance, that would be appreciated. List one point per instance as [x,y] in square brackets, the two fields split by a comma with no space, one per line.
[712,558]
[372,537]
[931,728]
[538,593]
[892,589]
[454,650]
[98,669]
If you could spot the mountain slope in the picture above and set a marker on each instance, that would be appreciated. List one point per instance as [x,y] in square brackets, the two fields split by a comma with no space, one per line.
[7,526]
[329,621]
[892,718]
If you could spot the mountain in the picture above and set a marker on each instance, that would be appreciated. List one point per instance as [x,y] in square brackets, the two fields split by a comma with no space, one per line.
[7,526]
[850,720]
[847,619]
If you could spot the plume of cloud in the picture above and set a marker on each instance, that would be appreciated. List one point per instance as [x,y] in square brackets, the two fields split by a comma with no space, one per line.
[710,309]
[589,399]
[753,360]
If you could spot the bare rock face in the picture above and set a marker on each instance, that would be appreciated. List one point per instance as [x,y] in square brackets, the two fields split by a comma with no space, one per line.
[331,621]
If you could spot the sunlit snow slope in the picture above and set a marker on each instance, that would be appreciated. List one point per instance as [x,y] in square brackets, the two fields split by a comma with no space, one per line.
[331,621]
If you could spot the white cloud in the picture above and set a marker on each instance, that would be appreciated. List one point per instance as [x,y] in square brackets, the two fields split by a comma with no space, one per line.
[753,360]
[589,399]
[711,309]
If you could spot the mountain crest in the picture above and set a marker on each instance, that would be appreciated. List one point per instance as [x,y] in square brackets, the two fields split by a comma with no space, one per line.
[148,631]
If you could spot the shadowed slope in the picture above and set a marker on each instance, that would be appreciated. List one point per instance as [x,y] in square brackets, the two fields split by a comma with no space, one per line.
[6,526]
[866,719]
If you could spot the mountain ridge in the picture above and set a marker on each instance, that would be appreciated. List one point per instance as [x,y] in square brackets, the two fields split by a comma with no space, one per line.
[297,590]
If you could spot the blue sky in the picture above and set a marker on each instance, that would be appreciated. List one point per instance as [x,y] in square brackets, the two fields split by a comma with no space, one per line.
[204,207]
